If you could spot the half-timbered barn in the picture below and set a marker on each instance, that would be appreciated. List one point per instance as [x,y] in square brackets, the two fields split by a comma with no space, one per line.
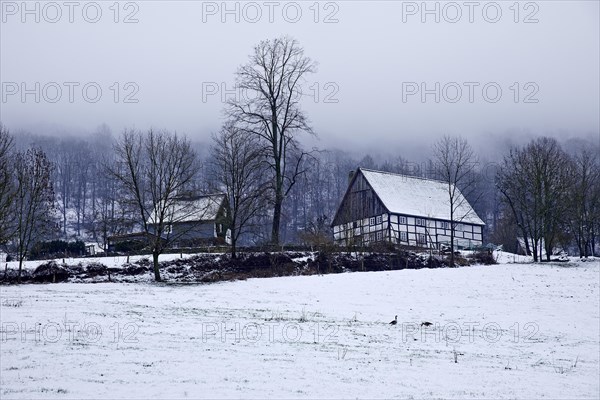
[386,207]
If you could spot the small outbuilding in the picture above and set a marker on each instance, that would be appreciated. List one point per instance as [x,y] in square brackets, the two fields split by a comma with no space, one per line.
[189,222]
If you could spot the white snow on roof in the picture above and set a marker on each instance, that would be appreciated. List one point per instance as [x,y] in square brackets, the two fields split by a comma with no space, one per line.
[205,208]
[402,194]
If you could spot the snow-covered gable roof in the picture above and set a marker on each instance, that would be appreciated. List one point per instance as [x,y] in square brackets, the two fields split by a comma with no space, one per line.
[204,208]
[428,198]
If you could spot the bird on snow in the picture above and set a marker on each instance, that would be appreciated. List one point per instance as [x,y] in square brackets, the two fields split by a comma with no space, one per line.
[426,323]
[395,321]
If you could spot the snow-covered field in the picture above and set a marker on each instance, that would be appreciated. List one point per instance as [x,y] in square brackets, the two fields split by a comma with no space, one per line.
[515,331]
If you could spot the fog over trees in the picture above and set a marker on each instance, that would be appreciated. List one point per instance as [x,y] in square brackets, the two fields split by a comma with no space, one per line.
[6,147]
[536,196]
[544,192]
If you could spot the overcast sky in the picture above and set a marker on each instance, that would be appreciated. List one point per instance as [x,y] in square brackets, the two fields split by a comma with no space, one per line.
[375,59]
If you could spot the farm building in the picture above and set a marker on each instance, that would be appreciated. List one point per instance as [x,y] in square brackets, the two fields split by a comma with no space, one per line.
[190,221]
[399,209]
[196,220]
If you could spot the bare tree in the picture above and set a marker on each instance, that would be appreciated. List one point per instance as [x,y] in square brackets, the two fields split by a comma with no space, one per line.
[155,170]
[110,218]
[455,165]
[511,177]
[556,171]
[269,107]
[318,233]
[506,232]
[584,199]
[84,160]
[110,215]
[64,178]
[239,166]
[6,182]
[106,215]
[534,181]
[34,201]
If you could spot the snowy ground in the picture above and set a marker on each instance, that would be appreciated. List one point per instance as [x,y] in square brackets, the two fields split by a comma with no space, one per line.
[516,331]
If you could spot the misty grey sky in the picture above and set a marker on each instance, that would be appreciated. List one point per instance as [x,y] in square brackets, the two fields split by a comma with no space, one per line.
[374,60]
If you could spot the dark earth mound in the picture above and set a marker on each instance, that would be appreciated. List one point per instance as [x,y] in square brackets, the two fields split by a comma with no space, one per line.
[206,268]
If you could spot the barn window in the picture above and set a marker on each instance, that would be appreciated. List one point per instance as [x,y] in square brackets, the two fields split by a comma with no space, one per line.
[422,239]
[379,219]
[372,221]
[403,237]
[446,225]
[380,235]
[420,222]
[402,220]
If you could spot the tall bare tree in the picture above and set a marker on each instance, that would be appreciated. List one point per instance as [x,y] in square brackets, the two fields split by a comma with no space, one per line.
[584,200]
[239,165]
[34,201]
[556,171]
[270,87]
[535,181]
[455,163]
[511,177]
[155,169]
[6,181]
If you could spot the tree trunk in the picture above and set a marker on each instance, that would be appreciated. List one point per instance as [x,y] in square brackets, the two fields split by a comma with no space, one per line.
[452,227]
[534,249]
[20,268]
[593,243]
[276,217]
[526,239]
[580,243]
[233,242]
[155,255]
[452,231]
